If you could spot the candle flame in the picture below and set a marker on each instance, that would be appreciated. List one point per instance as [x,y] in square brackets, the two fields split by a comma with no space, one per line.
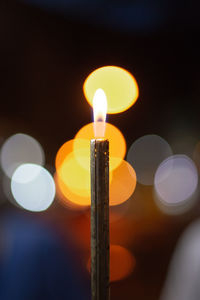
[99,112]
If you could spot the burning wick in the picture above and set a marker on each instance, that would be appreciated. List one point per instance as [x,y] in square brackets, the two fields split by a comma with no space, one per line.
[99,169]
[99,113]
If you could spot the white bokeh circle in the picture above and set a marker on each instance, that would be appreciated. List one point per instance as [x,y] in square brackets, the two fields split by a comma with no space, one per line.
[20,149]
[33,187]
[176,181]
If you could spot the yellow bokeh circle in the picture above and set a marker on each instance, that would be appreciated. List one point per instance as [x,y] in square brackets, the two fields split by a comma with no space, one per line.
[119,85]
[68,198]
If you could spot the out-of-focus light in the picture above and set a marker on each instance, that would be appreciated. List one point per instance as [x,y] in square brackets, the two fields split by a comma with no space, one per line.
[20,149]
[118,84]
[123,183]
[117,145]
[99,111]
[182,279]
[72,179]
[122,263]
[63,152]
[70,199]
[176,180]
[146,154]
[76,178]
[33,187]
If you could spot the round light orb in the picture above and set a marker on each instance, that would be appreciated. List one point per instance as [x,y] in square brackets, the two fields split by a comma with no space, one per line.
[33,187]
[119,85]
[176,180]
[117,145]
[20,149]
[146,154]
[122,263]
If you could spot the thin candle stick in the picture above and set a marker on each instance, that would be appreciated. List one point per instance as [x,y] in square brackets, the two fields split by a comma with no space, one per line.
[100,251]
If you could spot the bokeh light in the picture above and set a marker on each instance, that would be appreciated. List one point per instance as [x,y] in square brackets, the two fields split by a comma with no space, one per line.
[182,278]
[33,187]
[68,198]
[146,154]
[76,178]
[20,149]
[119,85]
[117,145]
[73,181]
[176,180]
[123,183]
[62,153]
[122,263]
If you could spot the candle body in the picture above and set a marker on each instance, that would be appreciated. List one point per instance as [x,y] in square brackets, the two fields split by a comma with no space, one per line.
[100,251]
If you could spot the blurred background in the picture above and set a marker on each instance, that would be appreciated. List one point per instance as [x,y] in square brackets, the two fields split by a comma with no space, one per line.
[47,50]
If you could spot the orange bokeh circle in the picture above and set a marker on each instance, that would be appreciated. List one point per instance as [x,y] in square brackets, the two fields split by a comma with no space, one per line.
[123,183]
[62,153]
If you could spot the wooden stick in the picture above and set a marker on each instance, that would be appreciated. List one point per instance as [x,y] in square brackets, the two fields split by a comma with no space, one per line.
[100,252]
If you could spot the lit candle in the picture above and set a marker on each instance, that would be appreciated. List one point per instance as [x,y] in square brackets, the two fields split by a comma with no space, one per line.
[100,201]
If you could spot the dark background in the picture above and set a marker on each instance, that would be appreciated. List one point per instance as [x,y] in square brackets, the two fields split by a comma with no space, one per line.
[46,52]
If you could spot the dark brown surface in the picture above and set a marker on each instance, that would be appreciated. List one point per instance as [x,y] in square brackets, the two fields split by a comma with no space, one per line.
[100,219]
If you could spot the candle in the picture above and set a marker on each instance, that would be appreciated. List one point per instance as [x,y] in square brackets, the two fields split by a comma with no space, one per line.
[99,202]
